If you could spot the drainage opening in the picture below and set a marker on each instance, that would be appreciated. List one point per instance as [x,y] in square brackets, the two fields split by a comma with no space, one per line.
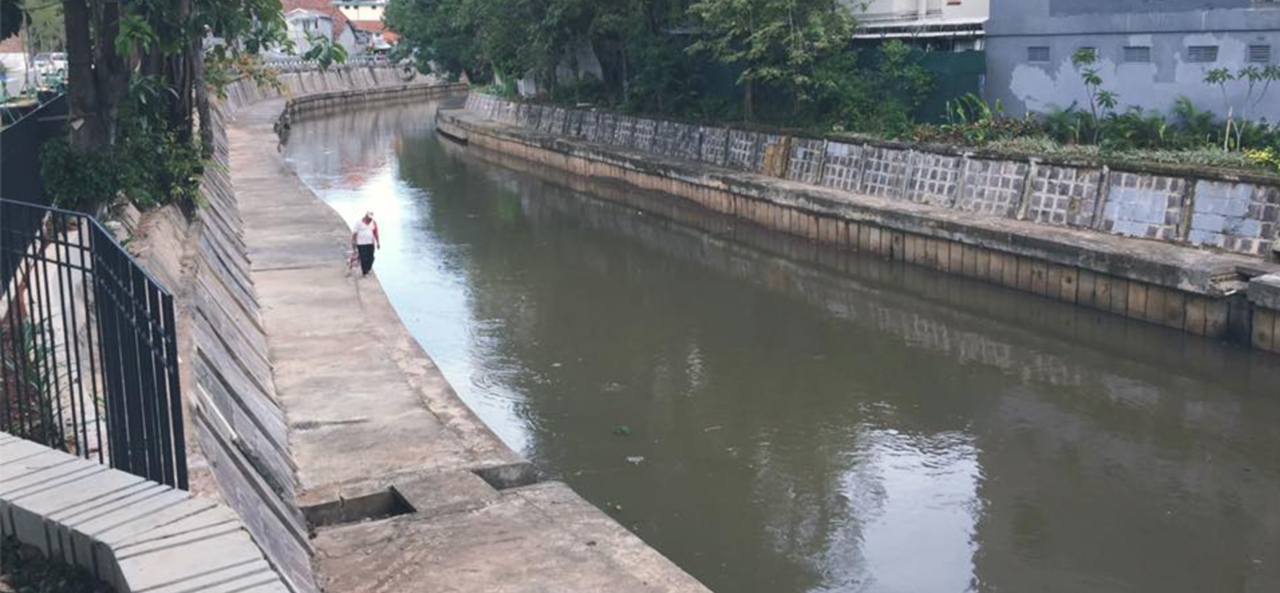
[511,475]
[369,507]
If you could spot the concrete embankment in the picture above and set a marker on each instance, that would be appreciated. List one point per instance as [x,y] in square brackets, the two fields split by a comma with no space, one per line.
[239,436]
[1190,251]
[403,487]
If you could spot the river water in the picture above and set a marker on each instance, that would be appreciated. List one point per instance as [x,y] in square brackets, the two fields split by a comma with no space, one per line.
[777,418]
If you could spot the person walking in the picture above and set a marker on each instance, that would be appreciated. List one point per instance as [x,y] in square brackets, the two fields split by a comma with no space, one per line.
[365,237]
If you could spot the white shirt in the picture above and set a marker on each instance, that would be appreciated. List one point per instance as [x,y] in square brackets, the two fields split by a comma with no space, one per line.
[365,231]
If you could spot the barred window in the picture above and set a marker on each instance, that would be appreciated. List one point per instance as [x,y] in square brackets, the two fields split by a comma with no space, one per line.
[1202,53]
[1136,54]
[1038,54]
[1259,54]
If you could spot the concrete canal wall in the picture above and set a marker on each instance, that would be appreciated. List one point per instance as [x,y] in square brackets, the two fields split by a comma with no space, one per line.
[1190,250]
[238,431]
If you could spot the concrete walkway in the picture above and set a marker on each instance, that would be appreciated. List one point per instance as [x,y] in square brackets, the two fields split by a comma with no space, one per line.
[369,413]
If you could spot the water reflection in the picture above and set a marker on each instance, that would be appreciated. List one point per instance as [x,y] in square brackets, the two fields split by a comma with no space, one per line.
[794,419]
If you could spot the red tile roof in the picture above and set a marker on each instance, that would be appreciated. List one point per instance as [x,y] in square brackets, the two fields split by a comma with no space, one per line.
[377,27]
[370,26]
[12,45]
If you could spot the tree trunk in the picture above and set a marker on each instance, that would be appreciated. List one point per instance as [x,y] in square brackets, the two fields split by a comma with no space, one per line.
[179,74]
[110,70]
[748,100]
[202,98]
[88,130]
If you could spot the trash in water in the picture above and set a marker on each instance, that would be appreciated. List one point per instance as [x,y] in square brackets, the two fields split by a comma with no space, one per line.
[622,430]
[635,459]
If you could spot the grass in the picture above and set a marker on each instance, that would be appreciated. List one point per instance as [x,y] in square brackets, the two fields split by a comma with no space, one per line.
[1202,157]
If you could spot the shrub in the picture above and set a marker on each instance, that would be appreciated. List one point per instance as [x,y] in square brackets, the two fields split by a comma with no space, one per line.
[972,122]
[150,163]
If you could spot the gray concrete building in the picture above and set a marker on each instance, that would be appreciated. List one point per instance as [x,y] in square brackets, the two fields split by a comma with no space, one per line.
[1150,52]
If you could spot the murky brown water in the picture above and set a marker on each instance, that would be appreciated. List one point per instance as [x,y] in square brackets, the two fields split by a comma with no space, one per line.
[798,420]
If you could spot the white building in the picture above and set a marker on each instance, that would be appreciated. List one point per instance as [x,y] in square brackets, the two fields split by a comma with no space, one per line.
[303,25]
[945,25]
[362,10]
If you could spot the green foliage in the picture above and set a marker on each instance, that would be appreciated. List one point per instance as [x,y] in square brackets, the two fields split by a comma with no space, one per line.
[149,163]
[77,180]
[439,35]
[222,70]
[324,51]
[580,90]
[972,122]
[154,165]
[774,43]
[876,92]
[1268,157]
[29,382]
[664,79]
[1101,101]
[479,38]
[11,18]
[45,28]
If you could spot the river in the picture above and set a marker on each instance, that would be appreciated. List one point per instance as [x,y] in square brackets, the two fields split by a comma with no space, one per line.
[779,418]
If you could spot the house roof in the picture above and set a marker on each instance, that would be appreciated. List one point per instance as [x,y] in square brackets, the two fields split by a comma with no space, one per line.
[12,45]
[307,12]
[325,7]
[376,27]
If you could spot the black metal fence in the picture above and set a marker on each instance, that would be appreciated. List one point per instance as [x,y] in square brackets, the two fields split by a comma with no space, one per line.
[87,345]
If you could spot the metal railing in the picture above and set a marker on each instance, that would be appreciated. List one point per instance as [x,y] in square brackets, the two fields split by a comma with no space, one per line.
[88,350]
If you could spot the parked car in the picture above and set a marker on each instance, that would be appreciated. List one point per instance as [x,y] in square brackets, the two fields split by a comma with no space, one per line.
[49,62]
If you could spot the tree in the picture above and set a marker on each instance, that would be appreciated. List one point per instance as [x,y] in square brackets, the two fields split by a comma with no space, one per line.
[1099,98]
[775,42]
[440,36]
[11,18]
[137,78]
[45,27]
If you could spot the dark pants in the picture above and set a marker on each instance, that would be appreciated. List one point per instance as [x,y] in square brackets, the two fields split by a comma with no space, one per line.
[366,258]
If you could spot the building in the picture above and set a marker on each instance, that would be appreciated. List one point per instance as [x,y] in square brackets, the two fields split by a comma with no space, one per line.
[362,10]
[1149,53]
[311,17]
[365,20]
[939,25]
[304,25]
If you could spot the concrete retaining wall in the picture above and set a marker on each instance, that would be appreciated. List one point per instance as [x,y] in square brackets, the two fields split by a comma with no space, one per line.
[129,532]
[294,84]
[1229,212]
[235,418]
[1067,231]
[316,104]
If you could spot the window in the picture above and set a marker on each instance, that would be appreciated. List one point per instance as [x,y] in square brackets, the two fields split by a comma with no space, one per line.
[1137,54]
[1038,54]
[1259,54]
[1202,53]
